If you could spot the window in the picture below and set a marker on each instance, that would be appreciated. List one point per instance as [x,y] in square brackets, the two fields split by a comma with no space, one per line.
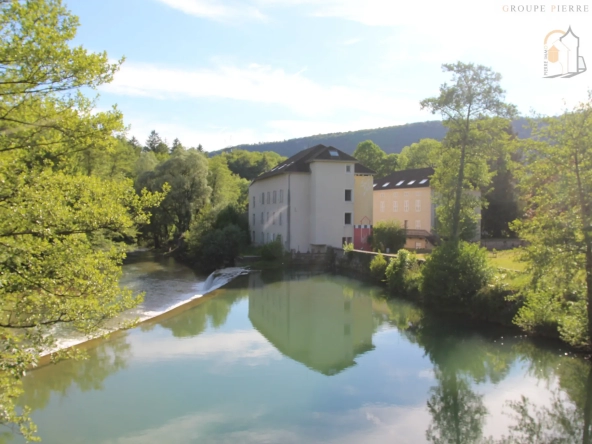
[253,219]
[423,181]
[348,168]
[396,195]
[268,197]
[386,185]
[267,237]
[280,217]
[348,218]
[274,196]
[406,194]
[399,183]
[253,201]
[417,205]
[273,218]
[281,196]
[273,237]
[418,245]
[268,217]
[411,182]
[333,153]
[262,198]
[395,206]
[382,206]
[278,238]
[262,221]
[418,224]
[262,237]
[348,196]
[406,206]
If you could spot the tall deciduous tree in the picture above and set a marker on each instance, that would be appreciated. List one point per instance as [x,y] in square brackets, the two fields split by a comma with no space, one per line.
[187,176]
[423,154]
[474,95]
[50,271]
[372,156]
[556,183]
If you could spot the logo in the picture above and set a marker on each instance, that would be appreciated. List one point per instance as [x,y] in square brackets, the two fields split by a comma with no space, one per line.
[562,55]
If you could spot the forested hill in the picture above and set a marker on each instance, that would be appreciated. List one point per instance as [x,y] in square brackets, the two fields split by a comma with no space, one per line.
[392,139]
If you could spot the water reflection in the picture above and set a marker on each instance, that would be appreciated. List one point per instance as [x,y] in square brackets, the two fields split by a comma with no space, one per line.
[314,320]
[213,373]
[103,360]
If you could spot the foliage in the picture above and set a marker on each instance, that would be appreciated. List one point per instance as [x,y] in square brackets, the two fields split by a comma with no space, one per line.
[556,184]
[348,247]
[220,246]
[388,235]
[372,156]
[227,187]
[272,250]
[422,154]
[249,165]
[63,181]
[454,273]
[157,146]
[403,274]
[470,108]
[186,175]
[378,267]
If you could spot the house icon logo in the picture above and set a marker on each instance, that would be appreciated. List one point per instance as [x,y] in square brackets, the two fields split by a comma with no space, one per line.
[561,57]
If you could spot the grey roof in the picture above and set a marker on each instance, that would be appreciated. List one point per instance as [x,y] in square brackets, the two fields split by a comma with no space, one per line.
[418,178]
[300,162]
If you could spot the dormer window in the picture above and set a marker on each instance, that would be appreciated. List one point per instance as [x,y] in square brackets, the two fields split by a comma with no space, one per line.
[333,153]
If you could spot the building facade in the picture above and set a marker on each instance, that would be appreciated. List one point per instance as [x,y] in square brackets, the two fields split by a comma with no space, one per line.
[317,198]
[407,198]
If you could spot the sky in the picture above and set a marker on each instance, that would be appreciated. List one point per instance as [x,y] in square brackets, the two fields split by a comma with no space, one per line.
[226,72]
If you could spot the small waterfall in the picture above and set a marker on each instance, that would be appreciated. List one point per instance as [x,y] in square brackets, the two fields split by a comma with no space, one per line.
[208,283]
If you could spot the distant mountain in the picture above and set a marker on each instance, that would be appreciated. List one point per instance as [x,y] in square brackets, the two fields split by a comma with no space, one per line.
[392,139]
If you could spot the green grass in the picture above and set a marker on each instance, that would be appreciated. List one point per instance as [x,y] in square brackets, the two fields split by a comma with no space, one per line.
[507,259]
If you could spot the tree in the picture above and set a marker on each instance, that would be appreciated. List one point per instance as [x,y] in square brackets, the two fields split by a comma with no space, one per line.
[474,95]
[388,235]
[177,147]
[372,156]
[249,165]
[227,188]
[156,145]
[50,270]
[186,175]
[555,181]
[423,154]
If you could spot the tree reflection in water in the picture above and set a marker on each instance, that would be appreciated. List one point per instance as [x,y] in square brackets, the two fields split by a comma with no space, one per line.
[87,374]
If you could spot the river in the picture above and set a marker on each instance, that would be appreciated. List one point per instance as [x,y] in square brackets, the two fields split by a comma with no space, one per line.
[300,357]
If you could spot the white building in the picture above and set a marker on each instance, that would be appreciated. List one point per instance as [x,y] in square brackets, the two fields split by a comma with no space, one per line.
[312,200]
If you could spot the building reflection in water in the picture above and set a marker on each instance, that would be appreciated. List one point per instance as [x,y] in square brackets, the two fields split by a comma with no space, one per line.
[312,319]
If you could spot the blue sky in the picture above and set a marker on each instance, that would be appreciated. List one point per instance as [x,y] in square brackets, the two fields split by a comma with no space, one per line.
[226,72]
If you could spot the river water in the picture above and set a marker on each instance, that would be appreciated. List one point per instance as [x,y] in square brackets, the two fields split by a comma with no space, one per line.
[299,357]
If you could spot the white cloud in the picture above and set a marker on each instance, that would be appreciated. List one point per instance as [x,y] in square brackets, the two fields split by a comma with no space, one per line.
[254,83]
[216,10]
[227,347]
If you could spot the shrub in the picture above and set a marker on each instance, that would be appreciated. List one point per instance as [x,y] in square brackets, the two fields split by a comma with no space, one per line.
[348,250]
[272,251]
[388,235]
[378,267]
[218,247]
[454,273]
[403,275]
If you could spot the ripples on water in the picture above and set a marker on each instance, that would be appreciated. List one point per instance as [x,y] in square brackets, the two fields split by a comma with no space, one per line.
[298,357]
